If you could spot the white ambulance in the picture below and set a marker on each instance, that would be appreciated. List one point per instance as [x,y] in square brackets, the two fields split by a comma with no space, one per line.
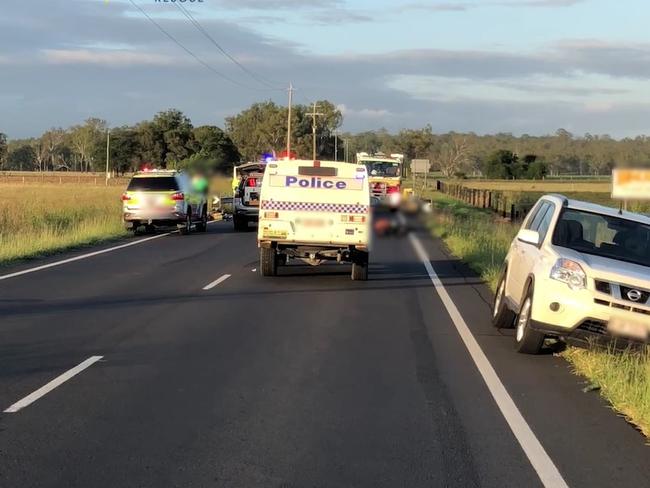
[316,211]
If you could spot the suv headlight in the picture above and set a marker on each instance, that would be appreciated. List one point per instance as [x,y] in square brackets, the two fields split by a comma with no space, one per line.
[571,273]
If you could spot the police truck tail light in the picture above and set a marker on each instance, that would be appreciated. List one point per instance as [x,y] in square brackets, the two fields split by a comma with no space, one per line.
[178,197]
[353,219]
[252,182]
[571,273]
[392,189]
[271,215]
[126,197]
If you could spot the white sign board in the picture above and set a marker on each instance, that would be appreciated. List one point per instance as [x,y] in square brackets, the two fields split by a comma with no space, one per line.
[631,184]
[420,166]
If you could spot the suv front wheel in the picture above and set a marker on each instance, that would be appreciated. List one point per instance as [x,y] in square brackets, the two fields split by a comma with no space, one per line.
[527,340]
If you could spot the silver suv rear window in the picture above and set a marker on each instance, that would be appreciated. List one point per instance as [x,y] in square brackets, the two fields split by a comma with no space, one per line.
[153,183]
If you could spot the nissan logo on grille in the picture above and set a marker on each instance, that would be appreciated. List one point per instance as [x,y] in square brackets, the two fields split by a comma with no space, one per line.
[634,295]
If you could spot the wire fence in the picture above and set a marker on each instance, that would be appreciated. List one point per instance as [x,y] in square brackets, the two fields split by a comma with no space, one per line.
[60,178]
[500,202]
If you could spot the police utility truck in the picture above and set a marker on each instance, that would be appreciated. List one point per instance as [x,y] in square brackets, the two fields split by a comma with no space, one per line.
[314,211]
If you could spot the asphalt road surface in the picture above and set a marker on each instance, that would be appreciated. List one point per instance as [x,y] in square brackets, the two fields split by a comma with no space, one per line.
[304,380]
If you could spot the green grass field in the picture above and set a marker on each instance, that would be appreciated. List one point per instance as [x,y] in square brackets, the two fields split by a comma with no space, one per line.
[481,240]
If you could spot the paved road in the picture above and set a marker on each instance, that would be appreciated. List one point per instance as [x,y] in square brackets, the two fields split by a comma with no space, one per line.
[305,380]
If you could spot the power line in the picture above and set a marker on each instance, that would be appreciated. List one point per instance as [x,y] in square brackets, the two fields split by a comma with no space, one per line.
[179,44]
[201,29]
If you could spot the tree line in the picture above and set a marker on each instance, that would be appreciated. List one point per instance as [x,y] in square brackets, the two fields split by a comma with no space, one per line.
[170,140]
[504,155]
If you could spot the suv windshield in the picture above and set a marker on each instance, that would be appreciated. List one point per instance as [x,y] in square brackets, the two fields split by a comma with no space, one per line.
[383,168]
[153,183]
[605,236]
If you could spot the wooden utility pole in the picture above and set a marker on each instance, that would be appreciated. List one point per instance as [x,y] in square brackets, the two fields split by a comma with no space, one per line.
[289,122]
[108,153]
[336,145]
[313,115]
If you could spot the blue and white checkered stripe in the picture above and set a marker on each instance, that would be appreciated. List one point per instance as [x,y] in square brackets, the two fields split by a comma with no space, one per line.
[315,207]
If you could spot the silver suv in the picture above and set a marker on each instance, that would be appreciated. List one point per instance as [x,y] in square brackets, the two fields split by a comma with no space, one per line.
[579,272]
[164,198]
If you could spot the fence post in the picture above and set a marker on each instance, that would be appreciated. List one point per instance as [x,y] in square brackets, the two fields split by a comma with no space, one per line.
[513,213]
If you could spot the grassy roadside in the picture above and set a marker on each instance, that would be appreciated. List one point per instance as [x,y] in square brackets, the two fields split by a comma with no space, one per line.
[36,220]
[482,241]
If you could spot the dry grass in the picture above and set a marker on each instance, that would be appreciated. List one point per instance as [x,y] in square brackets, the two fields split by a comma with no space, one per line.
[475,236]
[40,219]
[542,186]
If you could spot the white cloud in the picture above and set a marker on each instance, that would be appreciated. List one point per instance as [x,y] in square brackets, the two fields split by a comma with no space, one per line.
[113,58]
[588,90]
[363,113]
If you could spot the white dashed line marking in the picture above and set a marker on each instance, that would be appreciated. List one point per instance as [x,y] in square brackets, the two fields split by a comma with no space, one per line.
[216,282]
[58,381]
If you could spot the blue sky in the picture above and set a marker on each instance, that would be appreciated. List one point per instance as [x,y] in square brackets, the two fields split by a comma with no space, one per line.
[521,66]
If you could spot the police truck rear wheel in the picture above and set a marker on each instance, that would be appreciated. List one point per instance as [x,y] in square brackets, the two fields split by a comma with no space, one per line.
[360,267]
[268,262]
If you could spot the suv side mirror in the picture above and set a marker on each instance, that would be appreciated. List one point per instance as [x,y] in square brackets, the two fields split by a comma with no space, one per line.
[529,237]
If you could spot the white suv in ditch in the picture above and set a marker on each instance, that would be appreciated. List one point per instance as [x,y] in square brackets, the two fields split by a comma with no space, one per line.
[578,272]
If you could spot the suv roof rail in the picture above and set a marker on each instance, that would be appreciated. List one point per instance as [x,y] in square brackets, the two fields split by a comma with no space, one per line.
[565,200]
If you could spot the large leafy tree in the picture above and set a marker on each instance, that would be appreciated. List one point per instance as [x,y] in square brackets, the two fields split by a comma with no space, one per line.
[262,128]
[176,131]
[125,149]
[215,149]
[86,140]
[259,129]
[21,157]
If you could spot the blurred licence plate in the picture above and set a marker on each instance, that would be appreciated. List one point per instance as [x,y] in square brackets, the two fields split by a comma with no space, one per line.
[311,222]
[278,234]
[623,327]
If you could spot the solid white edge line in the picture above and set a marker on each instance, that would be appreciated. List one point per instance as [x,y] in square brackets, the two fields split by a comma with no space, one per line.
[548,473]
[58,381]
[89,255]
[216,282]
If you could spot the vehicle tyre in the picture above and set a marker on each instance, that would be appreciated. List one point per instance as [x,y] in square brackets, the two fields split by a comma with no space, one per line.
[527,340]
[268,261]
[502,316]
[186,228]
[239,223]
[202,226]
[360,267]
